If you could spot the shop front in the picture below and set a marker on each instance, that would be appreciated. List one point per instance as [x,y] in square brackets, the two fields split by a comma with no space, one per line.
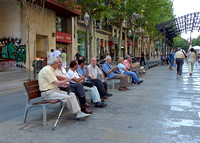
[64,41]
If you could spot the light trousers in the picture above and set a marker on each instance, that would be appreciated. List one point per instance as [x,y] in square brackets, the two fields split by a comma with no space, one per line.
[70,100]
[94,94]
[190,67]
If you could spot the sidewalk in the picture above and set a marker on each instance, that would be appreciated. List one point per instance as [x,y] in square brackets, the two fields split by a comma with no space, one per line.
[163,109]
[12,79]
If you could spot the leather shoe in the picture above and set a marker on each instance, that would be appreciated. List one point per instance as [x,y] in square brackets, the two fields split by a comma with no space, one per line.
[127,88]
[140,81]
[100,104]
[86,105]
[85,110]
[122,89]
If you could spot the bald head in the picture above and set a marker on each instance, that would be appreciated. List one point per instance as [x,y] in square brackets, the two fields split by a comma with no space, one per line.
[93,61]
[108,59]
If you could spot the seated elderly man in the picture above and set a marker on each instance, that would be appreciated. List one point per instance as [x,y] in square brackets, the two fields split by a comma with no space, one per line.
[124,70]
[112,74]
[75,78]
[77,88]
[90,74]
[48,85]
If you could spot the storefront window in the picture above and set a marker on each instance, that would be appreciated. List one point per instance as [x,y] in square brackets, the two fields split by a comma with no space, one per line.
[60,24]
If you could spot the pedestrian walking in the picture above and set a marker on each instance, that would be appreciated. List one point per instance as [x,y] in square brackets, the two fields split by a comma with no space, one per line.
[142,59]
[179,60]
[171,59]
[77,56]
[191,58]
[57,53]
[64,59]
[51,53]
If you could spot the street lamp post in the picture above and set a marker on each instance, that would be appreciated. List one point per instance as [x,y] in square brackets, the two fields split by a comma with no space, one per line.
[129,35]
[86,19]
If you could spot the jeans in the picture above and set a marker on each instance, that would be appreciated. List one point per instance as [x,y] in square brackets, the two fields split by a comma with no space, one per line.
[134,76]
[94,94]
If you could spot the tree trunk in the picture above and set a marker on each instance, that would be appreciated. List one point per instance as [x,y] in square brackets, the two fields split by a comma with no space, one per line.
[142,41]
[91,38]
[120,40]
[28,46]
[133,44]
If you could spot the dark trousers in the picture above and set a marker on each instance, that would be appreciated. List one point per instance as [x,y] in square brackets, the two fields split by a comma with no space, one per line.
[78,89]
[102,87]
[179,62]
[142,60]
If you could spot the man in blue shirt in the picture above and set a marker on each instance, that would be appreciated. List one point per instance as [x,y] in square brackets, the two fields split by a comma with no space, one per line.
[171,59]
[112,74]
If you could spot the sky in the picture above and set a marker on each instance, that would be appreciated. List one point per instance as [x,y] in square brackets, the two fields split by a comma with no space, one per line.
[183,7]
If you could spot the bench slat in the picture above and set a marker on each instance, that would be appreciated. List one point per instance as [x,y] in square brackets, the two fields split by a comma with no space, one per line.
[31,83]
[34,94]
[32,88]
[52,101]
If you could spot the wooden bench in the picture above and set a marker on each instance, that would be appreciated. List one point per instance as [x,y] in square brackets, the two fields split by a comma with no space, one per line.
[32,91]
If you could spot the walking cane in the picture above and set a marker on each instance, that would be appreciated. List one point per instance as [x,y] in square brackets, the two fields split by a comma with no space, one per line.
[58,117]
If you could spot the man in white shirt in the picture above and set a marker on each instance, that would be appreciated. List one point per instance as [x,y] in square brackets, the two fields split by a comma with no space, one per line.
[94,71]
[57,53]
[51,53]
[75,78]
[179,60]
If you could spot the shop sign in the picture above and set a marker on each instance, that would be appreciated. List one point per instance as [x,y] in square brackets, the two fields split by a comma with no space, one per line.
[63,37]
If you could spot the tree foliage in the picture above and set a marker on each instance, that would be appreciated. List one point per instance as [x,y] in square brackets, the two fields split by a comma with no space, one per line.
[181,42]
[196,41]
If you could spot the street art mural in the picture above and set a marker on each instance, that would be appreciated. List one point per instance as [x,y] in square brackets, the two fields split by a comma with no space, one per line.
[12,54]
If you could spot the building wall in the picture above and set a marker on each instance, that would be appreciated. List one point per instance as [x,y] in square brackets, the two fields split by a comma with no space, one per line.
[41,34]
[10,19]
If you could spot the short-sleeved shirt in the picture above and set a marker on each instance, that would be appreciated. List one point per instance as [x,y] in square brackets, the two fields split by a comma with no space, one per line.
[107,67]
[46,78]
[94,71]
[120,66]
[73,74]
[127,64]
[61,72]
[171,55]
[57,53]
[64,57]
[50,54]
[179,54]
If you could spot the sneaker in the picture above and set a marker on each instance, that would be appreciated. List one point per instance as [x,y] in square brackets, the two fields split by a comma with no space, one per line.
[100,104]
[82,115]
[107,94]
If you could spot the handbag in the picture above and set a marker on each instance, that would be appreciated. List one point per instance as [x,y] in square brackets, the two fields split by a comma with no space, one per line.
[88,83]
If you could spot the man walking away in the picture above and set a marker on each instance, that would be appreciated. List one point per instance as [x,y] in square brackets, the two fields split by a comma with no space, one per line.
[179,60]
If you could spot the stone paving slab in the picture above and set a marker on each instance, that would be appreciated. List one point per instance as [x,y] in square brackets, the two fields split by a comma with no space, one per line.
[163,109]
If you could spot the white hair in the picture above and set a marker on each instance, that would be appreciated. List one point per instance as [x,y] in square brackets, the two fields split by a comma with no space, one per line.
[52,61]
[108,57]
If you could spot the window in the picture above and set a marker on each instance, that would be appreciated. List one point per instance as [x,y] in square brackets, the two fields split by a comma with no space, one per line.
[60,24]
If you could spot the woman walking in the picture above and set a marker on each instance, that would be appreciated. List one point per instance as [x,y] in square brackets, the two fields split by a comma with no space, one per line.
[191,58]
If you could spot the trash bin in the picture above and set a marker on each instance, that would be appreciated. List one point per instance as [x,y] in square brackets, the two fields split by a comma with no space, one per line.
[37,65]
